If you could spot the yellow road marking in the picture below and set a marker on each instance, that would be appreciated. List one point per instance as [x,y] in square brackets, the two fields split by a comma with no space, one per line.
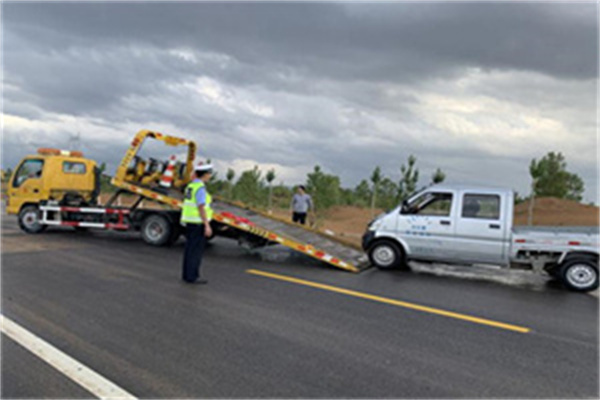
[398,303]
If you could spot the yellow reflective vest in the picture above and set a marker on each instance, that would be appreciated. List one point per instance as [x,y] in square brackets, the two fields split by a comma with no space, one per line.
[189,209]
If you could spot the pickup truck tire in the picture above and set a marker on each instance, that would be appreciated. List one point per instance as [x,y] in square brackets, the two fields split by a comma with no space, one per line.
[385,254]
[156,230]
[29,220]
[579,274]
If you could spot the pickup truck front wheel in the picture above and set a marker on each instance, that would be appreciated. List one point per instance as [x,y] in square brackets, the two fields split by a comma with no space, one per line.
[385,254]
[579,274]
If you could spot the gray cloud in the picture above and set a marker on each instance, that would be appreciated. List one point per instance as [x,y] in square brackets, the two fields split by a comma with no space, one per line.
[347,86]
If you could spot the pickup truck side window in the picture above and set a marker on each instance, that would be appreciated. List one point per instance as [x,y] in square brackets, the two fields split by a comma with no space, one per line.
[28,170]
[432,204]
[482,206]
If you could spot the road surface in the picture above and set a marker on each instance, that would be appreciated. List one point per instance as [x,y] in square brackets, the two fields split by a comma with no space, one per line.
[275,326]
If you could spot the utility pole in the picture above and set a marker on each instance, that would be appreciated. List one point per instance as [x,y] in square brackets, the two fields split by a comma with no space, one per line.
[531,203]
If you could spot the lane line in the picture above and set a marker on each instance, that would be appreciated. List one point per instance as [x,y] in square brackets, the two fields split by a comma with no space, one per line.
[394,302]
[73,369]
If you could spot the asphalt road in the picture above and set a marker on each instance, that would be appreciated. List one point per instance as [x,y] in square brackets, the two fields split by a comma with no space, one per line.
[117,306]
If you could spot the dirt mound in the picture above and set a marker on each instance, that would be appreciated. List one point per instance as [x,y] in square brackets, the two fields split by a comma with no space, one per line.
[557,212]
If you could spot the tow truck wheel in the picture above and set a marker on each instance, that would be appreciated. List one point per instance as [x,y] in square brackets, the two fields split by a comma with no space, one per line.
[386,254]
[580,274]
[156,230]
[29,220]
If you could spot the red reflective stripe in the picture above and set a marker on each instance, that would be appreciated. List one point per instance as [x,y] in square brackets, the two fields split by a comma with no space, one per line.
[335,260]
[520,241]
[117,226]
[272,236]
[320,254]
[69,223]
[116,211]
[573,243]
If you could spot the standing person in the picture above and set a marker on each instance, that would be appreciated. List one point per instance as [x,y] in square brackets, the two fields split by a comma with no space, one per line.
[196,214]
[301,204]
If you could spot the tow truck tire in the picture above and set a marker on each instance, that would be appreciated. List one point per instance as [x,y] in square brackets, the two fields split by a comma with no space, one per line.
[385,254]
[579,274]
[29,220]
[156,230]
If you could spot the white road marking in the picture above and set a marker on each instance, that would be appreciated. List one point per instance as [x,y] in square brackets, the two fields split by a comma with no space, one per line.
[73,369]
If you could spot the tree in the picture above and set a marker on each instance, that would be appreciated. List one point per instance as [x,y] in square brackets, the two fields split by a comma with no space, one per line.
[388,192]
[551,178]
[362,193]
[249,187]
[270,177]
[410,177]
[375,180]
[7,174]
[324,189]
[230,175]
[438,176]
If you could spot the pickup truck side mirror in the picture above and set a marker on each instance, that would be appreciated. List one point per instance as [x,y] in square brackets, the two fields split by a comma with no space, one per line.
[404,209]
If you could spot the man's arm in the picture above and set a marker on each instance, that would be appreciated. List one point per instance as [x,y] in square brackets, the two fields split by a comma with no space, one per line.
[201,202]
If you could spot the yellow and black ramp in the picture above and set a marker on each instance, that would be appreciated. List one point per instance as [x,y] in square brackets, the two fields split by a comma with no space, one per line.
[306,241]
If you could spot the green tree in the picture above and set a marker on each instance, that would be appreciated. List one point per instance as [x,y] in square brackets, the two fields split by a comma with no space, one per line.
[388,192]
[229,176]
[551,178]
[324,189]
[105,185]
[362,193]
[438,176]
[375,180]
[270,177]
[408,182]
[249,187]
[7,174]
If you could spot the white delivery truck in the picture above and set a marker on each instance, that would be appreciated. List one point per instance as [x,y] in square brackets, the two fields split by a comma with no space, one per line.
[458,224]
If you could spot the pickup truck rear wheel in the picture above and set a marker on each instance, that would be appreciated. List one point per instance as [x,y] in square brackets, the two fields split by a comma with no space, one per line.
[156,230]
[29,220]
[385,254]
[579,274]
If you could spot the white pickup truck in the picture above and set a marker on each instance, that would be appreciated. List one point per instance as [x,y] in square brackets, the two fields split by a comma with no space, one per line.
[472,225]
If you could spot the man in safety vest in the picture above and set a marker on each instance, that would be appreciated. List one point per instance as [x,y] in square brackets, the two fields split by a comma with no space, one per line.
[196,214]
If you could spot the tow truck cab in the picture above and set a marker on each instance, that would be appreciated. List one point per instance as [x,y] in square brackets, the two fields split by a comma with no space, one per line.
[52,174]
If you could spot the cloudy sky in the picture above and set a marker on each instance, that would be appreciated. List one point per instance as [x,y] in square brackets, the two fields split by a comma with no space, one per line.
[475,89]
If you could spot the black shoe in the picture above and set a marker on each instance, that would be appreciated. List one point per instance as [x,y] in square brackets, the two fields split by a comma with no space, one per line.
[199,281]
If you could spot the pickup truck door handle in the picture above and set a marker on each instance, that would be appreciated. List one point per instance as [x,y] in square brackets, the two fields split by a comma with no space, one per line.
[494,226]
[445,222]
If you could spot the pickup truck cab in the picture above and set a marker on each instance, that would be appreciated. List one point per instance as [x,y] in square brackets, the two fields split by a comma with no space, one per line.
[458,224]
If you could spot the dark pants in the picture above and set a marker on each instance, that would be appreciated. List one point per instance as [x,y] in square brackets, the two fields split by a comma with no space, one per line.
[299,217]
[194,248]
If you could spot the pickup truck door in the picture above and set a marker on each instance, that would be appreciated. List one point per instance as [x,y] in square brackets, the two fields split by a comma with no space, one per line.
[427,226]
[481,228]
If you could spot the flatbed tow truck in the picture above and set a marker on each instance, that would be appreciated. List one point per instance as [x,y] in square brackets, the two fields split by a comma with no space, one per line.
[62,188]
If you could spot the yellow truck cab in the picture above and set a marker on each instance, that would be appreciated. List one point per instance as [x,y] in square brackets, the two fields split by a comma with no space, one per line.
[52,175]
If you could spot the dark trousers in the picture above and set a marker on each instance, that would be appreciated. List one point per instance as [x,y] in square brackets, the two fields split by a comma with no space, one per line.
[194,248]
[299,217]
